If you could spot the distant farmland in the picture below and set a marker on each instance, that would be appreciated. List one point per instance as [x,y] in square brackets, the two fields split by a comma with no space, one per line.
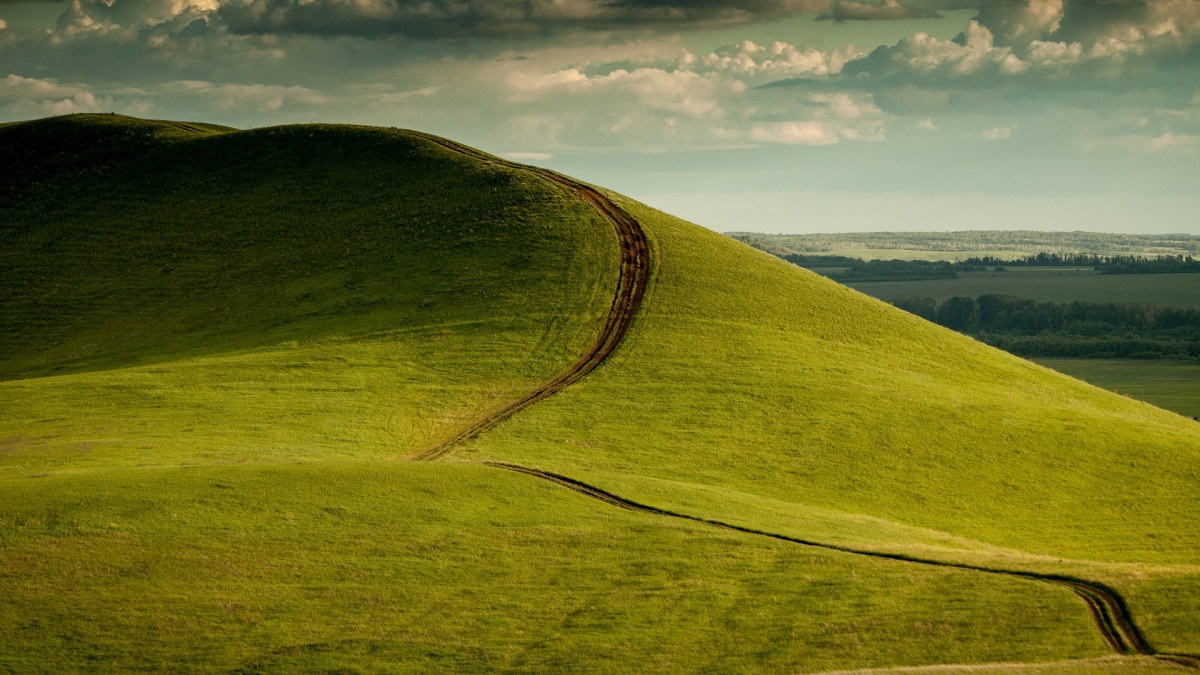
[1048,285]
[1174,385]
[324,398]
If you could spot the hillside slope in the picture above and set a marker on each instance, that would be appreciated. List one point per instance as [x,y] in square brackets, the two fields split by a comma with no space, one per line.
[746,373]
[215,345]
[758,393]
[283,262]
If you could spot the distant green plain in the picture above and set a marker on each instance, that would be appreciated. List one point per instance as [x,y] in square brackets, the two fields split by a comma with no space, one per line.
[1174,385]
[217,355]
[212,362]
[1048,285]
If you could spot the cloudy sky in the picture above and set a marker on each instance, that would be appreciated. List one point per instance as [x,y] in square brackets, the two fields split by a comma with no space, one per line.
[761,115]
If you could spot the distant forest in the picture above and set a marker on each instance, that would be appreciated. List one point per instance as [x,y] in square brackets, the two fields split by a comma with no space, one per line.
[1017,241]
[1021,326]
[1114,264]
[1072,329]
[858,270]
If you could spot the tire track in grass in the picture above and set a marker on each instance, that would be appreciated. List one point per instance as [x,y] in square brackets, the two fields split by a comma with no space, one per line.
[183,126]
[1185,660]
[1107,608]
[631,288]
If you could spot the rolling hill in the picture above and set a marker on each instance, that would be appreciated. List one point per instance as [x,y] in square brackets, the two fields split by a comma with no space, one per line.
[221,350]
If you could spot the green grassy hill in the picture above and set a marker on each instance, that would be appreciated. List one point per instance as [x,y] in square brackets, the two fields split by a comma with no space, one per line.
[370,286]
[219,348]
[752,388]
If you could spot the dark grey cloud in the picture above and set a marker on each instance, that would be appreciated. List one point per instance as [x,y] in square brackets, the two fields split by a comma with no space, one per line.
[1020,22]
[1099,43]
[1085,20]
[1023,55]
[887,10]
[441,19]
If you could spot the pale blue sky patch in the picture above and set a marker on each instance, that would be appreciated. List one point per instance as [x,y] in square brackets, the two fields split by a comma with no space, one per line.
[1052,114]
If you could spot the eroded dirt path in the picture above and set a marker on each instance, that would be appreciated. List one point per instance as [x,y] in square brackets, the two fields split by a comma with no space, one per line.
[1107,607]
[631,288]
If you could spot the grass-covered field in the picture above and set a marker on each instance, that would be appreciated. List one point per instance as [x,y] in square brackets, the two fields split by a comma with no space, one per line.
[765,382]
[1168,385]
[419,567]
[1006,244]
[767,378]
[374,314]
[220,347]
[1048,285]
[1173,385]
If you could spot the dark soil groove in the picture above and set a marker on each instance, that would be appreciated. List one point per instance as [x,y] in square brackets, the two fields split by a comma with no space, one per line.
[631,288]
[1107,607]
[186,127]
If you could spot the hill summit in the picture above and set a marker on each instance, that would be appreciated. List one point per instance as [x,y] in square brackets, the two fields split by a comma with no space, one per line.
[222,349]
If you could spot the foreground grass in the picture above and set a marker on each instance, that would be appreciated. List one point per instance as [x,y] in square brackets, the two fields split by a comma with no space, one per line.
[764,378]
[1112,664]
[387,395]
[462,568]
[182,326]
[759,378]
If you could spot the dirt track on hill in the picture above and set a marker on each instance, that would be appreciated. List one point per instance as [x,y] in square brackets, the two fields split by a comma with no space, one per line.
[631,288]
[1107,607]
[186,127]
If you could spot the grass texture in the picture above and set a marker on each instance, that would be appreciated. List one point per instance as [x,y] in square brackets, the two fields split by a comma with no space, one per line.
[217,345]
[746,375]
[744,372]
[420,568]
[1173,385]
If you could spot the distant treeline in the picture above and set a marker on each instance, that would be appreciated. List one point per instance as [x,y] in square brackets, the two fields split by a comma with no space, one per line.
[858,269]
[1075,329]
[1114,264]
[809,261]
[1167,264]
[916,270]
[899,270]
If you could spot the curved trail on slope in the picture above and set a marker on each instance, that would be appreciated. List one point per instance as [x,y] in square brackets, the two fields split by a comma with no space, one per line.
[186,127]
[1107,607]
[631,288]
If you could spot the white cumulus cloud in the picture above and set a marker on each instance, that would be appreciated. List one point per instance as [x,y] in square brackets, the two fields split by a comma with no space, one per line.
[28,96]
[795,133]
[996,133]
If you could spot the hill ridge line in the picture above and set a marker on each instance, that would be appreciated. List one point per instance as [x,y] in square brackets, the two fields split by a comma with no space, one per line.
[1107,608]
[631,288]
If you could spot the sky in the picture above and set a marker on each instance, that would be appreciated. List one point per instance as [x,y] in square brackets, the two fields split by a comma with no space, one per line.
[750,115]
